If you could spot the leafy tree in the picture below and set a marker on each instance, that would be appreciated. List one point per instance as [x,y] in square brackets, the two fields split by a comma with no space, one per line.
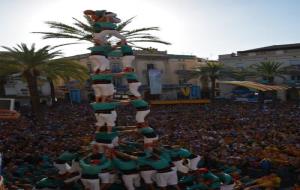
[83,31]
[269,70]
[31,63]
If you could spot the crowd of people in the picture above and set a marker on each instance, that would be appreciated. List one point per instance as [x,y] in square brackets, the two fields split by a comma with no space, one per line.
[240,139]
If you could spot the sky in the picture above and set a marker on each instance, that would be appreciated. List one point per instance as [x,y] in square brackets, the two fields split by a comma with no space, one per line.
[205,28]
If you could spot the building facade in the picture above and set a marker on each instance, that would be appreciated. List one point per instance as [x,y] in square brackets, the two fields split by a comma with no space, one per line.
[288,55]
[167,64]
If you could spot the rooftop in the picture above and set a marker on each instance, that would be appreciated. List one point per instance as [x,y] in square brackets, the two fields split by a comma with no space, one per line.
[138,53]
[273,48]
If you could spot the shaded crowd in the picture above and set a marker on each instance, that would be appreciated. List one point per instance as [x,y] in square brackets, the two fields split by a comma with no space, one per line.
[236,137]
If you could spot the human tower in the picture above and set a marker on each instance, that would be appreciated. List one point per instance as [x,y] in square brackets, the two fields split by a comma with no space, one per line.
[113,159]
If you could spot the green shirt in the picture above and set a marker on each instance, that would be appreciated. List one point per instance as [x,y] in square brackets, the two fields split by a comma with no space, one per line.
[125,165]
[131,76]
[166,155]
[139,103]
[90,169]
[102,76]
[67,156]
[101,49]
[126,49]
[146,130]
[184,153]
[106,136]
[104,106]
[48,183]
[99,26]
[210,176]
[225,178]
[215,185]
[158,164]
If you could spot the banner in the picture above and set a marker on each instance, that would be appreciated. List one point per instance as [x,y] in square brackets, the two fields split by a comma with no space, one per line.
[195,92]
[155,81]
[75,96]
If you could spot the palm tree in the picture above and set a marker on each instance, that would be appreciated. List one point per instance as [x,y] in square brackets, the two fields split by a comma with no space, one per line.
[209,72]
[212,70]
[269,70]
[31,63]
[83,31]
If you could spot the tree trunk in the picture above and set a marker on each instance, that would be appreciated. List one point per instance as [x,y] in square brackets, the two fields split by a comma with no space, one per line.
[52,92]
[205,89]
[261,99]
[273,92]
[34,95]
[213,87]
[2,89]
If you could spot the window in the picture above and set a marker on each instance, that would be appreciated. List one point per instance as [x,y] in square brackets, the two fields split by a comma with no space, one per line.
[295,77]
[150,66]
[252,54]
[182,81]
[182,67]
[279,52]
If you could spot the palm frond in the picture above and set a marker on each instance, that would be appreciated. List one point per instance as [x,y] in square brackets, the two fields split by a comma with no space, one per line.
[124,24]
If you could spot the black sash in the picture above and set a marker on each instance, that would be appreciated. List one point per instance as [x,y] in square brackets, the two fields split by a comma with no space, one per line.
[150,135]
[104,141]
[99,53]
[132,80]
[128,172]
[101,82]
[88,176]
[142,108]
[104,111]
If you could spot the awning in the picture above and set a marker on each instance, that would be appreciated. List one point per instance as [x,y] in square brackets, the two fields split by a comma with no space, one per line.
[255,85]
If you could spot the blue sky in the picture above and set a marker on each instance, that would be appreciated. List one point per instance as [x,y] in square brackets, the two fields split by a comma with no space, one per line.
[206,28]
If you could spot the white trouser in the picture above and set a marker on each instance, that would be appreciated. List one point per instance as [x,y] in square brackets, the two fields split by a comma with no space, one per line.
[127,60]
[108,119]
[75,167]
[193,163]
[134,88]
[180,167]
[140,116]
[62,168]
[91,184]
[107,177]
[148,176]
[103,89]
[115,141]
[227,187]
[70,180]
[106,34]
[165,179]
[131,181]
[99,62]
